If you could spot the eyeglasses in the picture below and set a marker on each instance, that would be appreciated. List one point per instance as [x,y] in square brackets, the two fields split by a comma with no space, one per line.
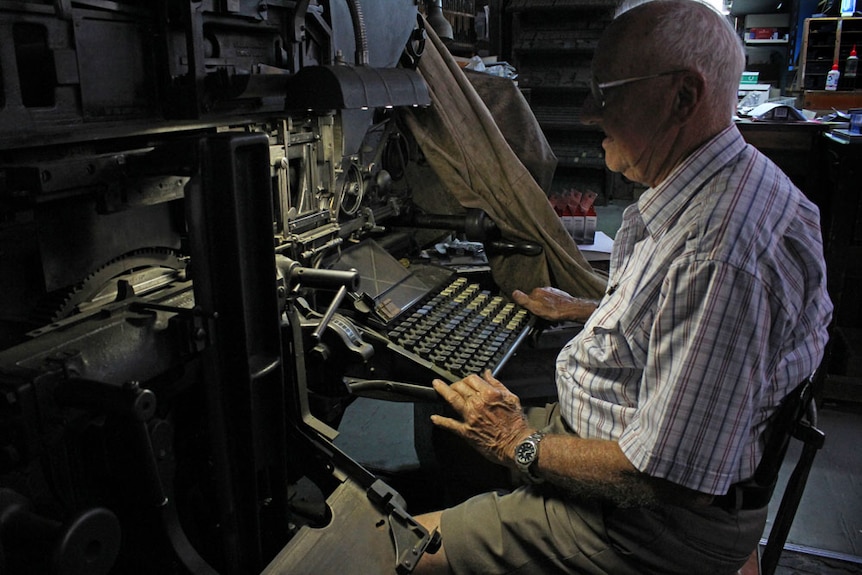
[599,95]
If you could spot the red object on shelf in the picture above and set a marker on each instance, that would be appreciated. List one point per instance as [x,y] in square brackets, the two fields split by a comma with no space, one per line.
[763,33]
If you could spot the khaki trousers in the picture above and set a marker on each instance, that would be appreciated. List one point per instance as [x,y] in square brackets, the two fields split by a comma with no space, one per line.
[535,529]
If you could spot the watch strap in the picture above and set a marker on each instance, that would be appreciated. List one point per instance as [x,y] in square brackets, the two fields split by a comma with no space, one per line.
[535,438]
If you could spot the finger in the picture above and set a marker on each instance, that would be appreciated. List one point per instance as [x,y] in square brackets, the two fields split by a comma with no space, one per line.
[493,381]
[474,384]
[460,391]
[445,391]
[448,423]
[468,386]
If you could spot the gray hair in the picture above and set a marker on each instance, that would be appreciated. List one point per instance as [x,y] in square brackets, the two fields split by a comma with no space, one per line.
[693,35]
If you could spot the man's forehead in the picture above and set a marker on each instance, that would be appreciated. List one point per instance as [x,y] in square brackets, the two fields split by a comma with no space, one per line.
[618,54]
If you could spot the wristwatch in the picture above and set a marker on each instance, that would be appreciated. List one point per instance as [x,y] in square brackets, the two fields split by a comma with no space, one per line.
[527,454]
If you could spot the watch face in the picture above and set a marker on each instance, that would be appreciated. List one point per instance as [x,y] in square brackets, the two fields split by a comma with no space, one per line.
[526,453]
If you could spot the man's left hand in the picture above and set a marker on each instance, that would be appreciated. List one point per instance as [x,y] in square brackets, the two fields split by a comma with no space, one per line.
[493,421]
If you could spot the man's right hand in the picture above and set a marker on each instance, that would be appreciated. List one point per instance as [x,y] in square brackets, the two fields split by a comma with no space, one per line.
[554,304]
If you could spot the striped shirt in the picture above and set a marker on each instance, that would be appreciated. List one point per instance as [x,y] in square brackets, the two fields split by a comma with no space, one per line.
[717,309]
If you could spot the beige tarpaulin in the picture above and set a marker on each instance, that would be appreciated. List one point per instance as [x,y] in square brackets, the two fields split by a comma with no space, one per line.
[470,155]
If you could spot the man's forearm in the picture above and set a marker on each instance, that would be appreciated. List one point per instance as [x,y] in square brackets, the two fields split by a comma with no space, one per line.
[592,468]
[597,468]
[578,309]
[493,422]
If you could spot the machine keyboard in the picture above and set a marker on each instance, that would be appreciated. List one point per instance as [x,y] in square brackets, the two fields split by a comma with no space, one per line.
[463,329]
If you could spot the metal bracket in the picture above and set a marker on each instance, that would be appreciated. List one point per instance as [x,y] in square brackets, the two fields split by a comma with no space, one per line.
[410,538]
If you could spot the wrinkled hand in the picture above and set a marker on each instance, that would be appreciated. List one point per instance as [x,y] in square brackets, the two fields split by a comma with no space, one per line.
[554,304]
[492,418]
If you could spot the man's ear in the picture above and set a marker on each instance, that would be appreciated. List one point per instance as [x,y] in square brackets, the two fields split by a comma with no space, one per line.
[690,94]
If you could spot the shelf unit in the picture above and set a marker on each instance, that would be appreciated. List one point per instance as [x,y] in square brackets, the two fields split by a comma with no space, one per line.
[461,14]
[552,45]
[767,41]
[826,40]
[775,27]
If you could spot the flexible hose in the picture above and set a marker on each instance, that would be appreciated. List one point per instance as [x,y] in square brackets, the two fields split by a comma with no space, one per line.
[359,32]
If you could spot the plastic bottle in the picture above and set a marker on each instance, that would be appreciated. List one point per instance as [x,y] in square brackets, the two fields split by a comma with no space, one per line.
[851,64]
[832,77]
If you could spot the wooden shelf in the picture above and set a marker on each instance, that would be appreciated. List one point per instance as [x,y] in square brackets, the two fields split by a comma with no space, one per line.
[827,100]
[824,41]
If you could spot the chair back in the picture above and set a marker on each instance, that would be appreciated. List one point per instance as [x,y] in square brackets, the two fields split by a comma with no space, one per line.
[796,418]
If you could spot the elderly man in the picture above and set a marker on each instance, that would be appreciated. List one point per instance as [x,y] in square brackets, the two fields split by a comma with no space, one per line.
[716,309]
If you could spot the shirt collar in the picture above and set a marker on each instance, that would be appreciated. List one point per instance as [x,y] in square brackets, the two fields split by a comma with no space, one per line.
[659,206]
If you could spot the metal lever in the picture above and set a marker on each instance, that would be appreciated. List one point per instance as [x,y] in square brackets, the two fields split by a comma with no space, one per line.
[506,247]
[295,275]
[477,226]
[330,311]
